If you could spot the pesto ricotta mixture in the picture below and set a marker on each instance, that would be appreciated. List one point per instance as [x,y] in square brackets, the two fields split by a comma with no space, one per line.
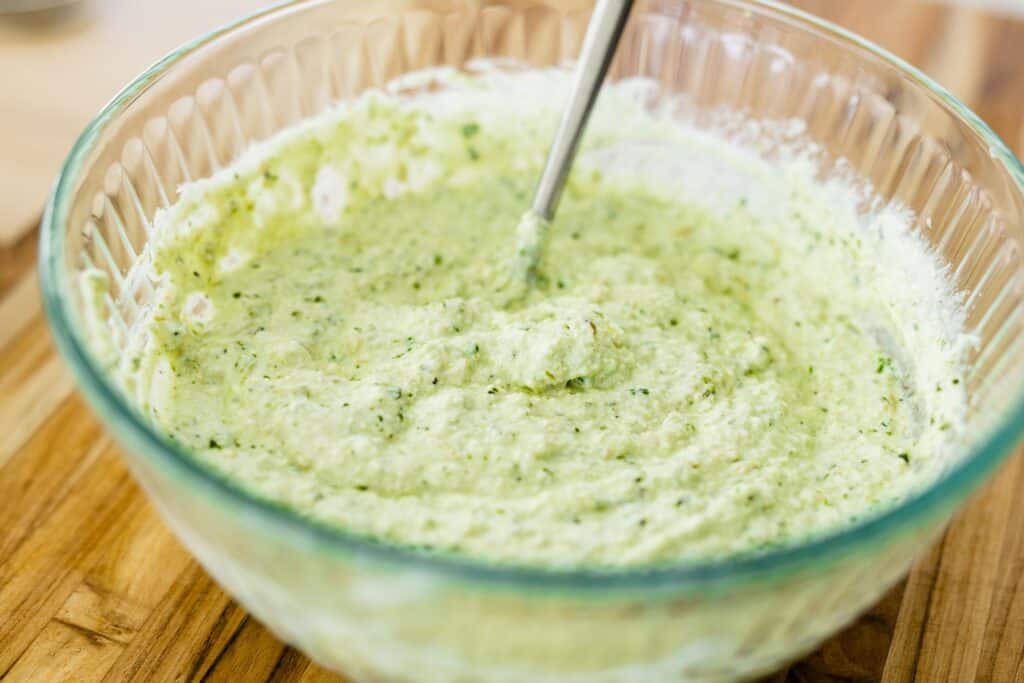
[720,354]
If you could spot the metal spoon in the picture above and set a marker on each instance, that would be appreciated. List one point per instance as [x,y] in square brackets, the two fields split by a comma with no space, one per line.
[603,33]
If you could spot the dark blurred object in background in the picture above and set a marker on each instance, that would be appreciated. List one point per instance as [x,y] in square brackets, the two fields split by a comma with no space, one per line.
[31,5]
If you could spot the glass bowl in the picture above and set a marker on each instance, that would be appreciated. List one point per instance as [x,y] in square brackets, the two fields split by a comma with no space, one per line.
[379,612]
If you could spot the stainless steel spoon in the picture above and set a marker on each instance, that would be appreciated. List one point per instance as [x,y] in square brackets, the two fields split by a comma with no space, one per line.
[603,33]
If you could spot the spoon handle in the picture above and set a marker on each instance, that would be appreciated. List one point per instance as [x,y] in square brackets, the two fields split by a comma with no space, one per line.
[599,45]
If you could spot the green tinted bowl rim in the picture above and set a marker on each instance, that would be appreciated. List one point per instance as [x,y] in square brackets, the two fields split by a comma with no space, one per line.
[134,431]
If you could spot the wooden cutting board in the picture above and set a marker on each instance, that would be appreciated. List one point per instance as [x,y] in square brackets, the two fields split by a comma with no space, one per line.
[94,587]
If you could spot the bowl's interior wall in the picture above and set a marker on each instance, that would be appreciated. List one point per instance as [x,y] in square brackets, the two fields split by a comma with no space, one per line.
[903,139]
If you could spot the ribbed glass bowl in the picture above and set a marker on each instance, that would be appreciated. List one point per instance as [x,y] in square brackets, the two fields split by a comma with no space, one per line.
[381,613]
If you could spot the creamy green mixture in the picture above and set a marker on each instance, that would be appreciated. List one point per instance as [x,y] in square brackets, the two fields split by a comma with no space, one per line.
[687,378]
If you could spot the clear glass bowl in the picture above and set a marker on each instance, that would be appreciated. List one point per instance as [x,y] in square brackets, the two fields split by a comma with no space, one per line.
[383,613]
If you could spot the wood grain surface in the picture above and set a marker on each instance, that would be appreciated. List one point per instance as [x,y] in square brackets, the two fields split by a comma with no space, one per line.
[94,587]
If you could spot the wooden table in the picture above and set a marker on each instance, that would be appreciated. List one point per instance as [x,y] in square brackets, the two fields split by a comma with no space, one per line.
[93,586]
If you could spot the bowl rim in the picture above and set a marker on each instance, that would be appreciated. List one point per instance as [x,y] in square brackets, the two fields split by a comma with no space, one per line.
[133,430]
